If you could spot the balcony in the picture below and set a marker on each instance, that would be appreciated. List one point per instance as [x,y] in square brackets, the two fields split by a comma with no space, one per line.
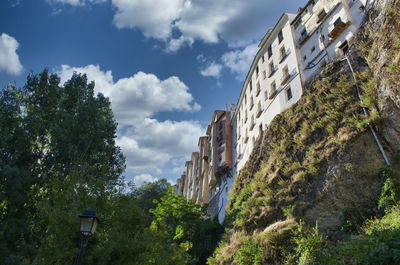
[252,126]
[273,94]
[303,39]
[259,113]
[285,79]
[271,72]
[283,56]
[336,29]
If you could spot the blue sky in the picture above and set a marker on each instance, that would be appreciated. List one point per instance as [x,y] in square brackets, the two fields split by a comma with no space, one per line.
[165,64]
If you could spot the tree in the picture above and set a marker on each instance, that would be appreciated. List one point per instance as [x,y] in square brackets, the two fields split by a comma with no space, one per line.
[57,158]
[186,224]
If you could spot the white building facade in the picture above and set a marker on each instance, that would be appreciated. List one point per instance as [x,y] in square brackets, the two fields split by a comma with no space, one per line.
[272,84]
[323,30]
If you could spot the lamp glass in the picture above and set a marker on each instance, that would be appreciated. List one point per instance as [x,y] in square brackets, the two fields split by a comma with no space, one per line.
[94,226]
[86,225]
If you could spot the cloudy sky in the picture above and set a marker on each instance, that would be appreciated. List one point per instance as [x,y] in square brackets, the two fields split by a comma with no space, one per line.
[166,65]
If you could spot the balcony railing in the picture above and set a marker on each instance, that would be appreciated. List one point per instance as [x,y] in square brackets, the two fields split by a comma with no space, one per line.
[273,94]
[271,72]
[303,39]
[336,29]
[283,56]
[252,126]
[259,113]
[285,79]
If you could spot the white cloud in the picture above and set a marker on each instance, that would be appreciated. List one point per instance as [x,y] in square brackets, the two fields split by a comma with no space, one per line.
[143,179]
[153,17]
[9,60]
[239,61]
[76,2]
[213,70]
[139,96]
[237,22]
[147,143]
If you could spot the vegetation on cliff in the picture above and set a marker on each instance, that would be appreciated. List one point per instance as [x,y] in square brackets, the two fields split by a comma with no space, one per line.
[316,191]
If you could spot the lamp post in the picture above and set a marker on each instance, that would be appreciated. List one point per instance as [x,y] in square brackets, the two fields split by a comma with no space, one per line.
[89,221]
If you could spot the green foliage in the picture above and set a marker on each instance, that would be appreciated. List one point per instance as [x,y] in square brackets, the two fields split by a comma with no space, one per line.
[308,244]
[249,253]
[186,224]
[388,195]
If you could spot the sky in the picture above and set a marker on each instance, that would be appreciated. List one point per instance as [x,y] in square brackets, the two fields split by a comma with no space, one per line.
[166,65]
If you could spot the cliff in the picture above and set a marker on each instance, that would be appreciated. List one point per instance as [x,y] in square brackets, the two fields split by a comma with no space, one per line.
[318,174]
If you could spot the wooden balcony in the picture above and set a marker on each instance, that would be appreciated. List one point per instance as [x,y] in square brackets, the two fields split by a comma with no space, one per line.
[273,94]
[259,113]
[283,57]
[337,29]
[252,126]
[285,79]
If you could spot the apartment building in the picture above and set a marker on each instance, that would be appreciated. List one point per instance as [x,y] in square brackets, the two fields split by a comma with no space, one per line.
[210,167]
[323,30]
[272,84]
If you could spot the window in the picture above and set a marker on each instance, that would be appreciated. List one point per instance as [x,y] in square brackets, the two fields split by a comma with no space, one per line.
[304,58]
[297,23]
[285,71]
[344,47]
[251,103]
[273,87]
[263,59]
[269,51]
[280,36]
[312,49]
[251,85]
[271,69]
[265,95]
[264,74]
[282,52]
[257,70]
[304,33]
[258,89]
[337,22]
[321,15]
[289,93]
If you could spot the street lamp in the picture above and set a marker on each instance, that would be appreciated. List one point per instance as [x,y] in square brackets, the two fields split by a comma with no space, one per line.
[89,221]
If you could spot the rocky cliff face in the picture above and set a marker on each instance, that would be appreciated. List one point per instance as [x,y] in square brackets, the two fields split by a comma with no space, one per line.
[319,163]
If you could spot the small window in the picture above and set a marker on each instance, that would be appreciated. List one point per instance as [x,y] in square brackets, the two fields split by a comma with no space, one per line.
[271,68]
[258,88]
[304,33]
[321,15]
[251,85]
[264,74]
[337,22]
[282,52]
[344,47]
[269,51]
[280,36]
[265,95]
[273,86]
[257,70]
[304,57]
[312,49]
[297,24]
[263,59]
[289,93]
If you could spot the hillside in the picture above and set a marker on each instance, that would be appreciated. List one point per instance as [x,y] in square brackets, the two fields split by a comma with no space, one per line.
[306,192]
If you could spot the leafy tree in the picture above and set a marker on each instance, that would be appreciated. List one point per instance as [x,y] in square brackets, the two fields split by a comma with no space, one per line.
[187,225]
